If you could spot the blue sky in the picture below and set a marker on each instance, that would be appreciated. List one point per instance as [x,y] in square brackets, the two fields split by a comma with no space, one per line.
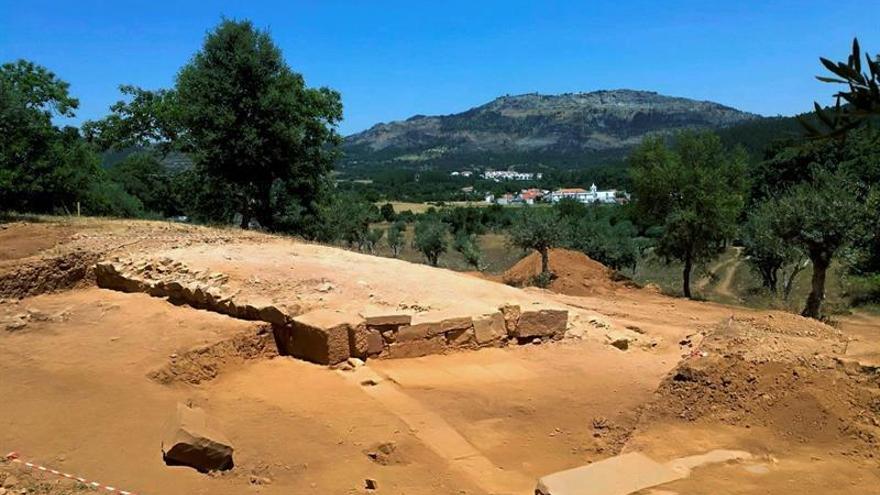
[391,60]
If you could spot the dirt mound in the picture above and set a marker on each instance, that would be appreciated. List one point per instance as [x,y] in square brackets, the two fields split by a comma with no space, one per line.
[794,381]
[575,273]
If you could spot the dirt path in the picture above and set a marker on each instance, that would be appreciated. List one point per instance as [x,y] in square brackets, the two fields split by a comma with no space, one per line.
[723,287]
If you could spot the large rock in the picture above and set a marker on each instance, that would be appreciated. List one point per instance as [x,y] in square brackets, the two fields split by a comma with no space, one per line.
[191,441]
[541,323]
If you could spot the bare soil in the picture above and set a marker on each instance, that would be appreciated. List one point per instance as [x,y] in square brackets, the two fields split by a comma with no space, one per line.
[89,377]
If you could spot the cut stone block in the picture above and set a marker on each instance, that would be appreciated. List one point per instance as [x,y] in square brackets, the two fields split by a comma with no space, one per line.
[420,331]
[489,328]
[191,441]
[541,323]
[417,348]
[378,317]
[511,314]
[375,343]
[358,340]
[460,338]
[620,475]
[320,336]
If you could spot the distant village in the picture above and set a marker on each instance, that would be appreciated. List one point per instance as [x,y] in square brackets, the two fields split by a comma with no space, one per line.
[534,195]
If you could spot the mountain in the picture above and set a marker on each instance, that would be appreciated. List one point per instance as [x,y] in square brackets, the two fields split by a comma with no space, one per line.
[572,129]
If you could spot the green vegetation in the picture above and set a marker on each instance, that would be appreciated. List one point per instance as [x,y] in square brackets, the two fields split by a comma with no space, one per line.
[431,239]
[257,135]
[694,190]
[537,229]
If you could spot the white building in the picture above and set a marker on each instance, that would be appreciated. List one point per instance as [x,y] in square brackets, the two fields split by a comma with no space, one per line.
[500,175]
[594,195]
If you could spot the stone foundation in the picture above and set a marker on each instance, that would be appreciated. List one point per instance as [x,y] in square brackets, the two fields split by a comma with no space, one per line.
[327,336]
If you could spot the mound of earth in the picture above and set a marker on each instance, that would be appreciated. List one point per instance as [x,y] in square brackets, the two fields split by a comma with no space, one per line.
[575,273]
[784,373]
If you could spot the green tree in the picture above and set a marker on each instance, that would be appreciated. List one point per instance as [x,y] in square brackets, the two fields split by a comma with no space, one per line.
[143,176]
[387,212]
[767,252]
[395,238]
[694,190]
[467,245]
[540,229]
[250,124]
[374,236]
[822,217]
[431,239]
[42,168]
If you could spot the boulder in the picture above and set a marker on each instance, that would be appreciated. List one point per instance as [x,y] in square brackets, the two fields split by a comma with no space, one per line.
[191,441]
[541,323]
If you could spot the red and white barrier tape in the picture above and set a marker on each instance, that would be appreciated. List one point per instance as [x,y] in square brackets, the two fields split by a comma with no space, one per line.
[13,457]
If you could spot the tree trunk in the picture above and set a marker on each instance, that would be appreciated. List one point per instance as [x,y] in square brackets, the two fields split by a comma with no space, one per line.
[545,261]
[686,276]
[245,220]
[813,308]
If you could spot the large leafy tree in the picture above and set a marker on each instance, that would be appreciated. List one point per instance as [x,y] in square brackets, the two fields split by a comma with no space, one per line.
[695,190]
[822,217]
[44,168]
[257,134]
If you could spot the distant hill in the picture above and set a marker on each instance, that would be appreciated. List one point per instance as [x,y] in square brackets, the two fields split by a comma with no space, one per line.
[571,130]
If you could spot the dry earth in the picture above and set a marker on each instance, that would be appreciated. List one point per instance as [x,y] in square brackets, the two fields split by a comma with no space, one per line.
[89,376]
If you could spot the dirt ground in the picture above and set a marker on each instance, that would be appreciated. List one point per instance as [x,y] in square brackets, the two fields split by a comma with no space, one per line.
[89,378]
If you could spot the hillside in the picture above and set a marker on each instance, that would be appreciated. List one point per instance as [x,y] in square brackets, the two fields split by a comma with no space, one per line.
[567,129]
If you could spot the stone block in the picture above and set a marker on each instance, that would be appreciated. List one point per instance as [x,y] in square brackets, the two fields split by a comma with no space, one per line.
[489,328]
[541,323]
[375,343]
[191,441]
[511,314]
[320,336]
[417,348]
[379,317]
[460,338]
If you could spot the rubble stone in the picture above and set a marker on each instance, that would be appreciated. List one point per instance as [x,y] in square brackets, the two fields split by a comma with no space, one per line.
[191,441]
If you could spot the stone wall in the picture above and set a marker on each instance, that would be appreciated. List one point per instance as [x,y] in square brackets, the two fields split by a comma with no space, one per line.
[328,336]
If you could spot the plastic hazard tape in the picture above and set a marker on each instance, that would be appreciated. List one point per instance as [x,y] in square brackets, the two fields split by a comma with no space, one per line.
[13,457]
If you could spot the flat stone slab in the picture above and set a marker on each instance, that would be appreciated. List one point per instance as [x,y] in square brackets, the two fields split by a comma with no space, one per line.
[620,475]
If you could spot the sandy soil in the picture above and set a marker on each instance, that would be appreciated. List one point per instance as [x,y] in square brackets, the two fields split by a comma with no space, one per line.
[80,392]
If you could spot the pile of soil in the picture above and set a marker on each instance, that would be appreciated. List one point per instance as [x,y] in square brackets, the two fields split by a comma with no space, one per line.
[575,273]
[769,372]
